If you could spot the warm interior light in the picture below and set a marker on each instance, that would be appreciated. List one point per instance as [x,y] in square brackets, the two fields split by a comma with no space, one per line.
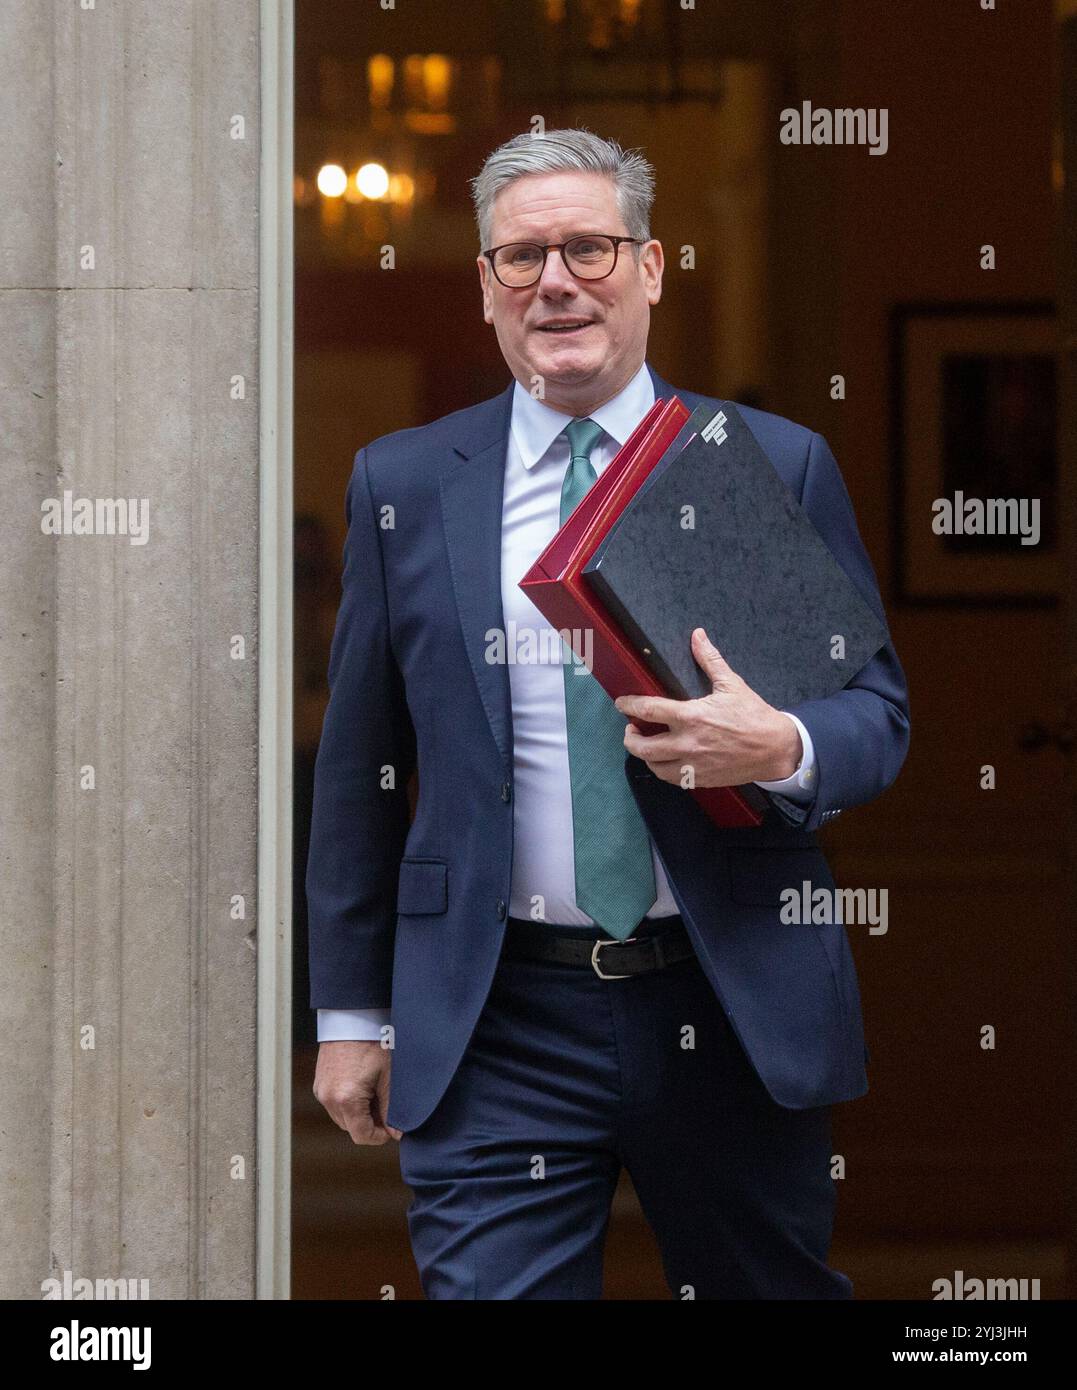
[332,180]
[401,188]
[372,180]
[379,73]
[430,122]
[437,74]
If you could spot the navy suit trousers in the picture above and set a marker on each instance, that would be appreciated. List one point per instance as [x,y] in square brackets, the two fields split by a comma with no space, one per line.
[566,1078]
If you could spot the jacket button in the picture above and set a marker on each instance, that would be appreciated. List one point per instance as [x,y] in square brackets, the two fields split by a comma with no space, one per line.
[506,791]
[502,910]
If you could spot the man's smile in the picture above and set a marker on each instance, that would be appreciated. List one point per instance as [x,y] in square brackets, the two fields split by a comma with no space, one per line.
[564,326]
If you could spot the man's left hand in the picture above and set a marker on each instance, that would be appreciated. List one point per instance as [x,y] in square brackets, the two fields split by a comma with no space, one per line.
[727,738]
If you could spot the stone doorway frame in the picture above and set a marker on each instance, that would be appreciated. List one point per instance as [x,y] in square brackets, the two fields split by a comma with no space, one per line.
[275,552]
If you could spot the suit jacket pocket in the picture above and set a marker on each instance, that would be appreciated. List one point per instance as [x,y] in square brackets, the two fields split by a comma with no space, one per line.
[761,876]
[423,887]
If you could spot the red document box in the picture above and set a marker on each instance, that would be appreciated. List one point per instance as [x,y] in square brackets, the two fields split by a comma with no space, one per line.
[556,586]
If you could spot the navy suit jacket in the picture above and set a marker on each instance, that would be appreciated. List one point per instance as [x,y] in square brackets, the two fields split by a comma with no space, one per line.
[415,916]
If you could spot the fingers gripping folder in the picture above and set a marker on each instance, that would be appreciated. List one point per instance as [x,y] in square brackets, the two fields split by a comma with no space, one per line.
[751,569]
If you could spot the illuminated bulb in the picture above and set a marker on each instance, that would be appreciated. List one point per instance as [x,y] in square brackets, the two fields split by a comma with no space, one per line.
[372,180]
[332,180]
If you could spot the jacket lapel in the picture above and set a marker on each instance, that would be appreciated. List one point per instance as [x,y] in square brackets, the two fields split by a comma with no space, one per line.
[662,388]
[472,485]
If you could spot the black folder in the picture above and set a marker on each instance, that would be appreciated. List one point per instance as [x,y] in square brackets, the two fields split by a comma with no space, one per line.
[715,539]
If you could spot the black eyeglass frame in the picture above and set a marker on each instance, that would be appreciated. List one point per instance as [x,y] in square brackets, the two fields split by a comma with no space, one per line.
[559,246]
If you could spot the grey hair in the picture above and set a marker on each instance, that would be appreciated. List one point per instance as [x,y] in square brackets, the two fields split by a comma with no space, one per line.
[558,151]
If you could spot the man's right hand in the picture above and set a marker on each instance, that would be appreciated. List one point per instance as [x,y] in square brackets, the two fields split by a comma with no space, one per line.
[352,1081]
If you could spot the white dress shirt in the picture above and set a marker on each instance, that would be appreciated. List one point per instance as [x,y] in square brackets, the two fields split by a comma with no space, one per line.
[543,870]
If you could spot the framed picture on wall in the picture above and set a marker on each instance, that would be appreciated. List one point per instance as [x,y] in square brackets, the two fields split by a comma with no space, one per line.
[974,429]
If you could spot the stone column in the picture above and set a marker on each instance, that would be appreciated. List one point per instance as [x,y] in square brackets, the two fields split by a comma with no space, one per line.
[129,319]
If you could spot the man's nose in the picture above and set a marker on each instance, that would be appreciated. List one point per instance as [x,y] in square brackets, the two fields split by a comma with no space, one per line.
[555,278]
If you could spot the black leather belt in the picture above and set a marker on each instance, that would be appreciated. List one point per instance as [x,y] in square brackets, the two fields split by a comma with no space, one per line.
[657,942]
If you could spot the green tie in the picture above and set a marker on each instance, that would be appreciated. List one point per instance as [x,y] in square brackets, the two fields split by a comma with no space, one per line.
[614,873]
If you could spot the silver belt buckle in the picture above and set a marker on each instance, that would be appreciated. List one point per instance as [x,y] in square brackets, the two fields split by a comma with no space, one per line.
[594,958]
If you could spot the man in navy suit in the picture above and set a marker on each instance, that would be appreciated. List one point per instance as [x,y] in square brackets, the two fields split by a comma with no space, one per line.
[567,966]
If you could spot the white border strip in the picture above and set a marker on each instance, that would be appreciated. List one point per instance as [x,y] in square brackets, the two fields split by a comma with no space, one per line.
[275,364]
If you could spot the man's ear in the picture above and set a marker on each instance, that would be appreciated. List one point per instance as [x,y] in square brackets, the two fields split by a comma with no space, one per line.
[486,281]
[652,263]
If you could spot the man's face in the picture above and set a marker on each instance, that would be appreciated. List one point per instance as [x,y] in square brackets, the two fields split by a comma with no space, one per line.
[585,338]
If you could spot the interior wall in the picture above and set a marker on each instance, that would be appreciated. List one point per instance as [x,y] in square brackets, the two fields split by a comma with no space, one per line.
[954,1137]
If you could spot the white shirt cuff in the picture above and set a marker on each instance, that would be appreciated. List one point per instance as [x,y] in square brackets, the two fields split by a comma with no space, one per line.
[351,1025]
[800,785]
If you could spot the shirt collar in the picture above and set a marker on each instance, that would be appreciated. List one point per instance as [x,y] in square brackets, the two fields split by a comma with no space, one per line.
[535,425]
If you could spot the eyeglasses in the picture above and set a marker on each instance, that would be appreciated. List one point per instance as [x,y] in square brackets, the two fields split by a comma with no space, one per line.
[590,256]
